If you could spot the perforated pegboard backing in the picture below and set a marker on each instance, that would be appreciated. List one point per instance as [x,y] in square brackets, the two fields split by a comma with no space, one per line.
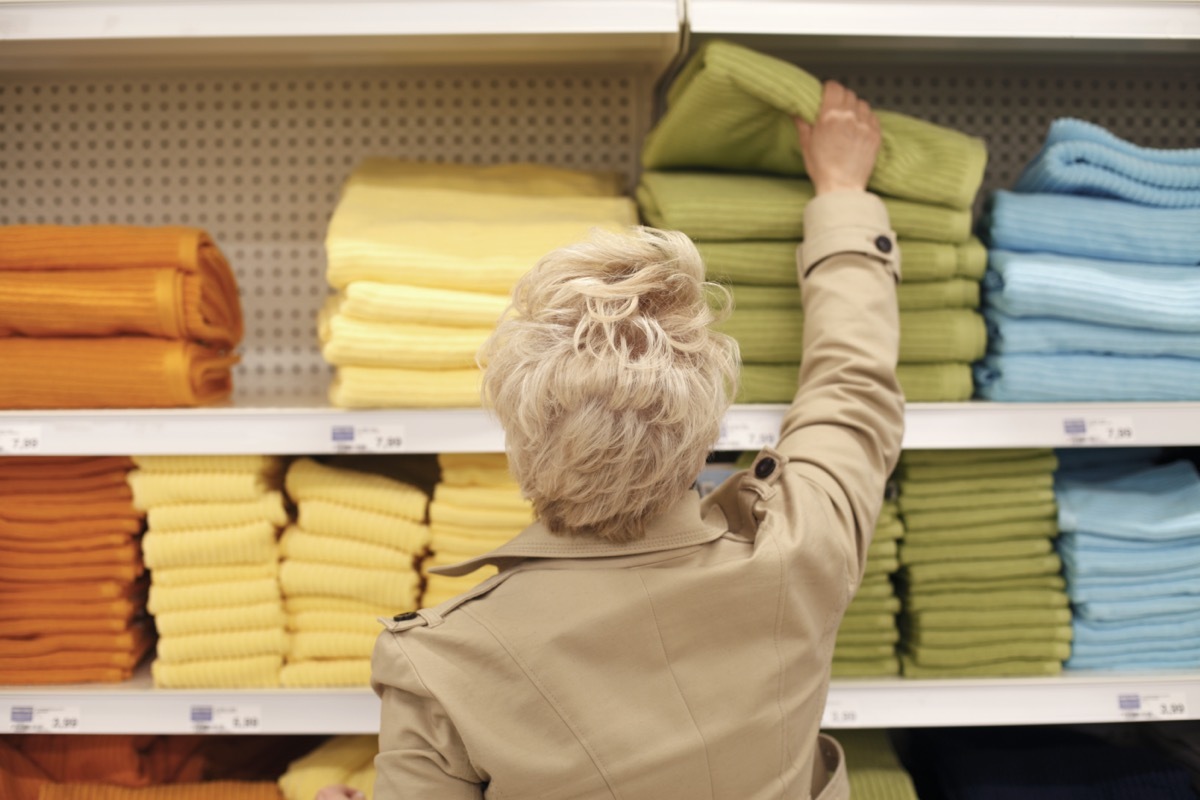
[258,158]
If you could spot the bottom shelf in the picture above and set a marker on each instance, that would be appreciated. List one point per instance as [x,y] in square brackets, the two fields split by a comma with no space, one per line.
[137,707]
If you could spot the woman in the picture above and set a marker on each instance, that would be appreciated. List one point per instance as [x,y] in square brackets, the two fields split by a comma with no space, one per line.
[638,642]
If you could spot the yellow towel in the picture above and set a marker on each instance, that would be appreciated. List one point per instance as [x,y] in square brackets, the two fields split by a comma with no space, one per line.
[330,764]
[386,387]
[482,497]
[312,603]
[310,645]
[351,342]
[341,621]
[220,619]
[381,302]
[208,596]
[323,518]
[164,488]
[246,544]
[228,644]
[302,546]
[199,516]
[480,476]
[263,465]
[442,513]
[190,576]
[535,180]
[392,588]
[257,672]
[308,480]
[318,674]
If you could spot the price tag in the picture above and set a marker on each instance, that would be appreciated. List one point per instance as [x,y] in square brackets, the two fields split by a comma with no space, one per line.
[226,719]
[839,714]
[368,438]
[44,719]
[745,436]
[20,439]
[1153,705]
[1098,430]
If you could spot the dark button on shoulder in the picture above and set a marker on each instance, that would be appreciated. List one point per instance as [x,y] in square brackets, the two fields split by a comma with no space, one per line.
[764,468]
[405,617]
[883,244]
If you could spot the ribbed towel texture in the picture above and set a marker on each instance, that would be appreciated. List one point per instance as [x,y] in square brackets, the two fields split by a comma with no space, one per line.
[863,650]
[214,558]
[72,593]
[342,760]
[980,579]
[874,769]
[424,257]
[350,559]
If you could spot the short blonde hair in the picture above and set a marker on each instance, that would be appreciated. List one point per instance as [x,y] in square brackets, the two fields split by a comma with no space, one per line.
[608,381]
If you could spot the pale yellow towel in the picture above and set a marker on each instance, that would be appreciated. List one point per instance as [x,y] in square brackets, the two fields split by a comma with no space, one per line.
[246,544]
[309,645]
[229,644]
[392,588]
[314,603]
[480,477]
[482,497]
[220,619]
[329,764]
[383,387]
[351,342]
[191,516]
[381,302]
[165,599]
[536,180]
[190,576]
[303,546]
[442,513]
[308,480]
[323,518]
[343,621]
[164,488]
[257,672]
[266,465]
[318,674]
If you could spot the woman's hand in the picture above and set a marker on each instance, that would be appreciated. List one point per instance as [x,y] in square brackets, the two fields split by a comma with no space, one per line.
[840,146]
[339,793]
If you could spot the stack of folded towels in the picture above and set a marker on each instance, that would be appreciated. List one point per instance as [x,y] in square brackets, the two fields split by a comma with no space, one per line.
[109,317]
[1131,552]
[476,507]
[349,560]
[866,641]
[213,522]
[730,114]
[979,578]
[72,591]
[424,257]
[1092,291]
[340,761]
[873,768]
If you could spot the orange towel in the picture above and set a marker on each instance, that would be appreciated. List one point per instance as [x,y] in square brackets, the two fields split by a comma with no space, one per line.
[122,608]
[124,642]
[71,659]
[62,486]
[47,467]
[65,547]
[106,280]
[23,625]
[216,790]
[43,511]
[114,493]
[70,592]
[122,554]
[126,573]
[111,373]
[42,676]
[126,520]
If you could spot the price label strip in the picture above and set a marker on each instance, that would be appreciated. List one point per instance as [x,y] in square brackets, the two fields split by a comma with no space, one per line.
[226,719]
[1141,706]
[18,440]
[1098,430]
[840,715]
[44,719]
[368,438]
[744,436]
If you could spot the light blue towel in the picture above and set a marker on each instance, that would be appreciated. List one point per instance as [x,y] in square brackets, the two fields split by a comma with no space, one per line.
[1136,659]
[1061,336]
[1081,158]
[1081,377]
[1094,227]
[1136,589]
[1144,608]
[1128,294]
[1148,563]
[1170,627]
[1160,503]
[1121,649]
[1081,460]
[1115,584]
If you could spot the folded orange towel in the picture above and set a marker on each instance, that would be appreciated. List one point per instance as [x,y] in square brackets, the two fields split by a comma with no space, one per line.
[125,521]
[107,280]
[126,573]
[70,659]
[42,676]
[24,510]
[33,484]
[122,554]
[46,467]
[23,625]
[114,493]
[71,592]
[125,641]
[122,608]
[112,373]
[65,547]
[215,790]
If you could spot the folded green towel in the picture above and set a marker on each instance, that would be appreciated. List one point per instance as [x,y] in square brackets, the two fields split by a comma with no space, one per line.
[910,296]
[883,636]
[922,383]
[732,108]
[909,471]
[863,623]
[1017,668]
[882,548]
[944,457]
[966,517]
[956,638]
[1006,598]
[711,207]
[874,770]
[876,587]
[999,568]
[970,655]
[1003,531]
[775,336]
[874,605]
[889,529]
[976,618]
[881,567]
[875,668]
[952,585]
[973,486]
[976,551]
[859,652]
[948,502]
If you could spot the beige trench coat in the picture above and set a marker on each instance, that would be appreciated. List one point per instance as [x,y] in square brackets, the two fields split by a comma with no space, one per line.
[693,663]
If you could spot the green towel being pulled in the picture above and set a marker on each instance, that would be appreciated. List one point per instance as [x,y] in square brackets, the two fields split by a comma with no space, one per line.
[974,486]
[1015,668]
[711,207]
[872,766]
[1044,464]
[922,383]
[874,668]
[1006,598]
[911,554]
[966,517]
[1048,564]
[910,296]
[1003,531]
[976,618]
[946,502]
[731,108]
[1019,633]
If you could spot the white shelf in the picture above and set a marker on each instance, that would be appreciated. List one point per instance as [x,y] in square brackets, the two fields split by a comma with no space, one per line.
[137,708]
[313,429]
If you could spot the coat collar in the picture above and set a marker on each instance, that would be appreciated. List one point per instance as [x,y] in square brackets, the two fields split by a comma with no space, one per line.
[684,524]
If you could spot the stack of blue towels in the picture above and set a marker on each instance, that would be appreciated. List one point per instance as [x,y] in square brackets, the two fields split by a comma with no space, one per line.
[1131,555]
[1093,285]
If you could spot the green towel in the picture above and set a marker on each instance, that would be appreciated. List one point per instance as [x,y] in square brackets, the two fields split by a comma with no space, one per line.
[975,618]
[888,530]
[1044,464]
[773,263]
[908,585]
[874,605]
[999,568]
[977,551]
[881,567]
[1017,668]
[875,668]
[955,638]
[1003,531]
[731,108]
[966,517]
[1012,483]
[922,383]
[865,623]
[1007,598]
[882,548]
[910,296]
[884,636]
[860,652]
[910,503]
[872,766]
[929,656]
[775,336]
[875,587]
[711,207]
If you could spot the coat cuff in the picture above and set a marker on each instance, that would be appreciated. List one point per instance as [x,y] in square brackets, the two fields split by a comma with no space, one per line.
[848,222]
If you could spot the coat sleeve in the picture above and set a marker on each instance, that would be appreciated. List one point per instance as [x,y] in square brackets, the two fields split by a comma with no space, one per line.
[421,754]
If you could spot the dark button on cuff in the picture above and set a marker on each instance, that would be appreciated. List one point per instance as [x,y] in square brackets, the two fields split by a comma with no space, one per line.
[405,617]
[764,468]
[883,244]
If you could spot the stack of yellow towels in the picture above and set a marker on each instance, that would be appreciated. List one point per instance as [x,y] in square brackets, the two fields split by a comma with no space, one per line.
[341,761]
[349,560]
[424,257]
[476,507]
[866,641]
[211,546]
